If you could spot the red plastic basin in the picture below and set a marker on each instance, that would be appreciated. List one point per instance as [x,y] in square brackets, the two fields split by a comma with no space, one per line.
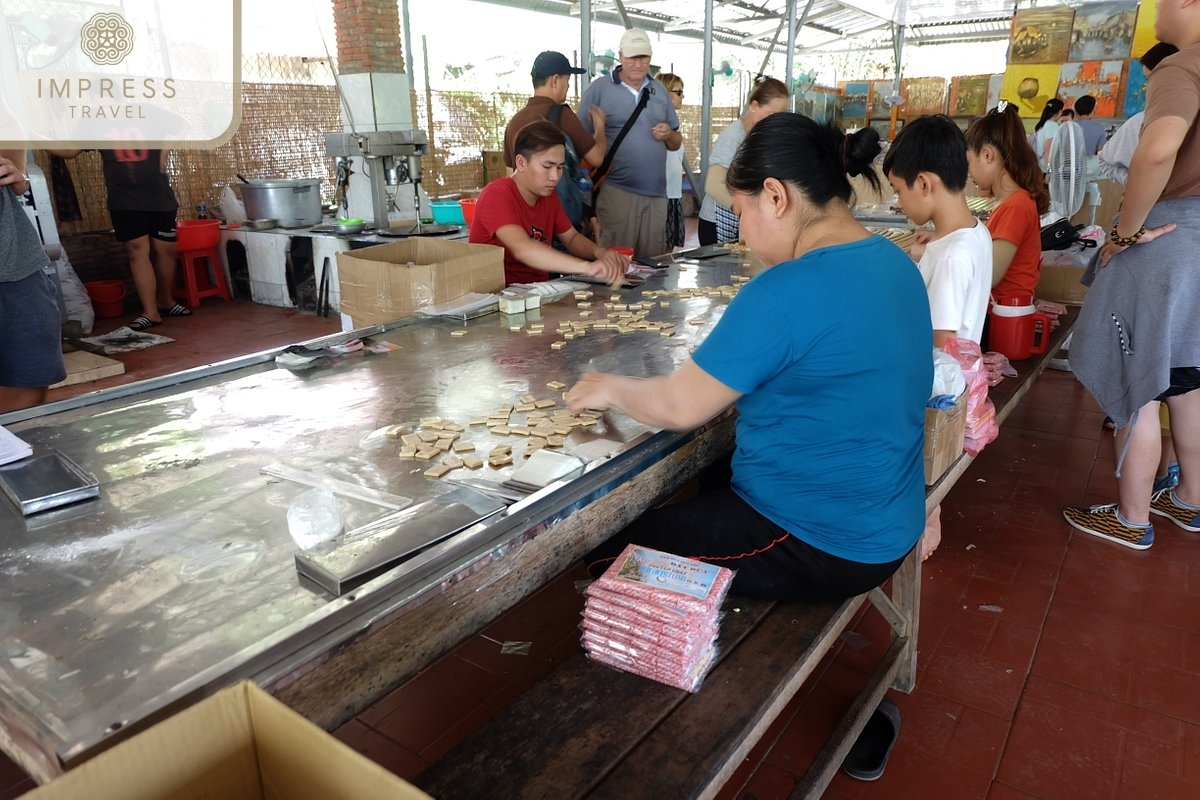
[467,204]
[108,298]
[197,234]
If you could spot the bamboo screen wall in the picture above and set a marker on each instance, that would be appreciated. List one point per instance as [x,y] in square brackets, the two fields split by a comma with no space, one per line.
[288,104]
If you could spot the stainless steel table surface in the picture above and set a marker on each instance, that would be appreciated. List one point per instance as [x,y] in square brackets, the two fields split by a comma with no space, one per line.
[180,577]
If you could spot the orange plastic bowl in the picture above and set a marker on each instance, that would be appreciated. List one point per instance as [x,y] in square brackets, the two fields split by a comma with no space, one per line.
[197,234]
[468,209]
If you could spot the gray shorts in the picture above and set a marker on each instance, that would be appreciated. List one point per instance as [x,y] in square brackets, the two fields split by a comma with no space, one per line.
[632,220]
[30,333]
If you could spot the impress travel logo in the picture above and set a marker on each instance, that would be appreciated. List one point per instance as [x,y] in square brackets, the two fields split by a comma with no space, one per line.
[90,74]
[107,39]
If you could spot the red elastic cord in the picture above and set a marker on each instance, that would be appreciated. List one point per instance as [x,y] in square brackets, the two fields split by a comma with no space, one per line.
[759,551]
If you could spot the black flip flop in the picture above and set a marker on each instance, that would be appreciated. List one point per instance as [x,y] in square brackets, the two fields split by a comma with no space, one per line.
[869,754]
[177,310]
[143,324]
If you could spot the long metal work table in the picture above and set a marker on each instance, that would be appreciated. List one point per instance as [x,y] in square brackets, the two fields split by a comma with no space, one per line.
[180,578]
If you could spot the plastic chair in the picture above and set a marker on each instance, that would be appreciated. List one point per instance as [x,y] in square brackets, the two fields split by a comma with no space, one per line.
[201,275]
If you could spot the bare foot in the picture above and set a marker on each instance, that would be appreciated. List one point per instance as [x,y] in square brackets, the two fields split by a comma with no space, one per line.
[932,536]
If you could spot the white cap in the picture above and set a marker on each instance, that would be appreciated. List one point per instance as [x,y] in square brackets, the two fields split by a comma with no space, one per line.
[635,42]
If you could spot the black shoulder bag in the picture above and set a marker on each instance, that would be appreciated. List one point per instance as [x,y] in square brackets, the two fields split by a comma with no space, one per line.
[602,171]
[1061,234]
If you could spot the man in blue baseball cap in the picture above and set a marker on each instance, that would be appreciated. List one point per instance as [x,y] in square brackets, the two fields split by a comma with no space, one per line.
[551,82]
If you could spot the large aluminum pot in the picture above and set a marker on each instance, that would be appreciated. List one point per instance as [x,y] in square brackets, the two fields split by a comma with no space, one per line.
[296,203]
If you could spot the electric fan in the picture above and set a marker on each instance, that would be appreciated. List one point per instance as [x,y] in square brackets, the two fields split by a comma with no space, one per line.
[601,63]
[1068,185]
[1068,175]
[803,82]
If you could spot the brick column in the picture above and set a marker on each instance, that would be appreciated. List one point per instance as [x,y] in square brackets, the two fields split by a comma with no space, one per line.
[368,36]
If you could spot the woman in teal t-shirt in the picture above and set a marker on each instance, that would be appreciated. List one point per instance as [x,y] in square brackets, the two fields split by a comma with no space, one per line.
[827,356]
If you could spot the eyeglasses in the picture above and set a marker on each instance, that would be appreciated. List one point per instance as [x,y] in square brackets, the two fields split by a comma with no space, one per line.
[677,91]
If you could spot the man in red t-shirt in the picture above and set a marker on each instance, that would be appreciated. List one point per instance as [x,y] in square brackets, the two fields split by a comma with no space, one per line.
[522,214]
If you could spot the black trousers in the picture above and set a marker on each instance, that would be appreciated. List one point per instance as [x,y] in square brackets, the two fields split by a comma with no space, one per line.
[721,528]
[706,232]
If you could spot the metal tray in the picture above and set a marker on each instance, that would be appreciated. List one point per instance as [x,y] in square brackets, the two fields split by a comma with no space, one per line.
[45,481]
[347,563]
[428,229]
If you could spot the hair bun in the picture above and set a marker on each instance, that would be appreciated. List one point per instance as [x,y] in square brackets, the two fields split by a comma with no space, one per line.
[862,147]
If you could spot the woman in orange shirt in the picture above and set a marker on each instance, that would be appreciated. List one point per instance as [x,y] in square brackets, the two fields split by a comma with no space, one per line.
[1002,163]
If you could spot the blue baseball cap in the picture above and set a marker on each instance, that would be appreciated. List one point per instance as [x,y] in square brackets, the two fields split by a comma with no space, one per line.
[550,63]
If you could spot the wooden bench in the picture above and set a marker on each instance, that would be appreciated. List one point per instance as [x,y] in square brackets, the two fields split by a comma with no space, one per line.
[586,730]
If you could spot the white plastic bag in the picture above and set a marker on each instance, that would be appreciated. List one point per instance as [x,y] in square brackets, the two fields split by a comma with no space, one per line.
[314,517]
[232,207]
[75,296]
[948,377]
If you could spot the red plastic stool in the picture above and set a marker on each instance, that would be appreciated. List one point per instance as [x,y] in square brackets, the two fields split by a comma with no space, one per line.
[201,276]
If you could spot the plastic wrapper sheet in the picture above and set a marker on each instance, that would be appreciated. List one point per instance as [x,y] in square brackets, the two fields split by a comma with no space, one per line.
[666,580]
[982,427]
[656,615]
[673,620]
[635,642]
[630,623]
[998,367]
[687,679]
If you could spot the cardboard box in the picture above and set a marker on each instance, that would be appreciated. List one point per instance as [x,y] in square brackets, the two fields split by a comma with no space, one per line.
[1061,285]
[239,744]
[944,433]
[493,165]
[393,280]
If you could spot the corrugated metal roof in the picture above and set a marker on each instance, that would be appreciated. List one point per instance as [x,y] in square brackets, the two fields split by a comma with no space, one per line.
[756,24]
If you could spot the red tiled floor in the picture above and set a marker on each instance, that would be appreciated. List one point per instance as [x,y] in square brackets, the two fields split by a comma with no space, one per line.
[216,331]
[13,780]
[380,749]
[1056,752]
[419,712]
[1051,664]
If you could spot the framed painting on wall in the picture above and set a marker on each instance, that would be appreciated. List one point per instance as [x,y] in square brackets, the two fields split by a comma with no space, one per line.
[818,104]
[995,83]
[968,96]
[1040,36]
[855,95]
[1030,86]
[1135,89]
[1100,79]
[1143,32]
[923,96]
[1103,30]
[884,127]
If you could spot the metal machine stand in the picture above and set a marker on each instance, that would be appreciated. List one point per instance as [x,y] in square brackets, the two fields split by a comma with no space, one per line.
[391,158]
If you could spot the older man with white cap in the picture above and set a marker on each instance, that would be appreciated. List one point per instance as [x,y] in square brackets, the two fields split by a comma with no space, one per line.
[631,201]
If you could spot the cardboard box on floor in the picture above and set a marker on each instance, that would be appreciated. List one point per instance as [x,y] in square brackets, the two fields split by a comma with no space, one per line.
[239,744]
[945,430]
[393,280]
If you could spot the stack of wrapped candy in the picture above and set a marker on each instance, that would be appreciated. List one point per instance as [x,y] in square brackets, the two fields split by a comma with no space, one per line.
[656,615]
